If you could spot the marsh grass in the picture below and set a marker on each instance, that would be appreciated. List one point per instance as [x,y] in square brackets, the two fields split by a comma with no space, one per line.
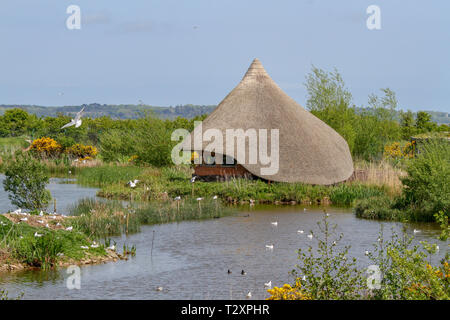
[166,183]
[187,209]
[46,250]
[106,175]
[101,219]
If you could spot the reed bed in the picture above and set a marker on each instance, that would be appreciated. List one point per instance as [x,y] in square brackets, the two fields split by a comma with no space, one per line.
[102,219]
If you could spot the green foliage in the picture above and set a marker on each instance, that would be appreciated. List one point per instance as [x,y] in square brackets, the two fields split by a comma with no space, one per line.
[328,273]
[366,130]
[406,274]
[25,182]
[100,220]
[379,208]
[426,187]
[442,219]
[46,250]
[107,174]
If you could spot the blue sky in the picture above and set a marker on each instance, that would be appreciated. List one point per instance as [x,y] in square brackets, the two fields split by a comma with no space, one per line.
[195,51]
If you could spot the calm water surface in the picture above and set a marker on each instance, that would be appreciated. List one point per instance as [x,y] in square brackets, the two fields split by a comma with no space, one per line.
[190,259]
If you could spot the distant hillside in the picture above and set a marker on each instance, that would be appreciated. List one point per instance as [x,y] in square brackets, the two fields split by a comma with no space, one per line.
[95,110]
[131,111]
[440,117]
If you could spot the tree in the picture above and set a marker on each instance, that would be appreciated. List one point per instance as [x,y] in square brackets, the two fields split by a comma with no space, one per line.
[25,182]
[424,123]
[15,121]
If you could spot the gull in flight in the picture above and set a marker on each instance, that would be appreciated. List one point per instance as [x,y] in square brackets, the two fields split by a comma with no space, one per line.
[310,236]
[269,246]
[249,295]
[268,284]
[274,223]
[75,121]
[300,231]
[416,231]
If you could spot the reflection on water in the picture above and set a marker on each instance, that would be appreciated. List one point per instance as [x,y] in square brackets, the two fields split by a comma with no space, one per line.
[190,259]
[66,195]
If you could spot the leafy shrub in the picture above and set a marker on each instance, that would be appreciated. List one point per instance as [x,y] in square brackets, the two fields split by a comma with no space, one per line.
[25,182]
[381,208]
[426,187]
[328,273]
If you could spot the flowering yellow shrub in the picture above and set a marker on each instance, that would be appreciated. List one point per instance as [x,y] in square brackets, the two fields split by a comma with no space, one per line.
[82,152]
[286,292]
[46,147]
[396,151]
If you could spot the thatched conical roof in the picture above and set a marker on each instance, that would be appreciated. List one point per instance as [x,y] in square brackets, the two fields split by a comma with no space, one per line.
[309,150]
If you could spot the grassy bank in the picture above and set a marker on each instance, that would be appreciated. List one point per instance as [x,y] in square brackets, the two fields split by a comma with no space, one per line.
[161,184]
[24,244]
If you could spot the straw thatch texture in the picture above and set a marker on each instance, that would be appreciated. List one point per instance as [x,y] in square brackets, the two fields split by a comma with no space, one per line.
[309,150]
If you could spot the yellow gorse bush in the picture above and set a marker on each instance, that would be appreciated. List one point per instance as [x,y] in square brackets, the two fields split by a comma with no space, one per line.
[396,151]
[82,152]
[287,292]
[46,147]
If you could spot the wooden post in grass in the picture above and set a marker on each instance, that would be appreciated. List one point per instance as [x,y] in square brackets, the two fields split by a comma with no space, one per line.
[128,218]
[192,189]
[54,205]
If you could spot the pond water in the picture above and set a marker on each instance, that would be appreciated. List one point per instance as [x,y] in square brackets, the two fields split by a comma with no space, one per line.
[190,259]
[66,195]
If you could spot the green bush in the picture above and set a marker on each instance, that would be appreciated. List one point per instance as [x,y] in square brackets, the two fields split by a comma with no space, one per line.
[25,182]
[380,208]
[426,187]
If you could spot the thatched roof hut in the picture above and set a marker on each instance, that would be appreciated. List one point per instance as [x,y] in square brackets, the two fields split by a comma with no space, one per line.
[309,150]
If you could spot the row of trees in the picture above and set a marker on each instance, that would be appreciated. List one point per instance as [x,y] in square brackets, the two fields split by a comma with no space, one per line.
[366,129]
[147,139]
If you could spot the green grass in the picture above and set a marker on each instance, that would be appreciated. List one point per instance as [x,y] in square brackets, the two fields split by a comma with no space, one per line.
[45,251]
[100,220]
[157,184]
[103,219]
[107,174]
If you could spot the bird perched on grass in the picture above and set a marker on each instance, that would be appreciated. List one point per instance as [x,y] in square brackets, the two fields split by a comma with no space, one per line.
[193,179]
[178,198]
[75,121]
